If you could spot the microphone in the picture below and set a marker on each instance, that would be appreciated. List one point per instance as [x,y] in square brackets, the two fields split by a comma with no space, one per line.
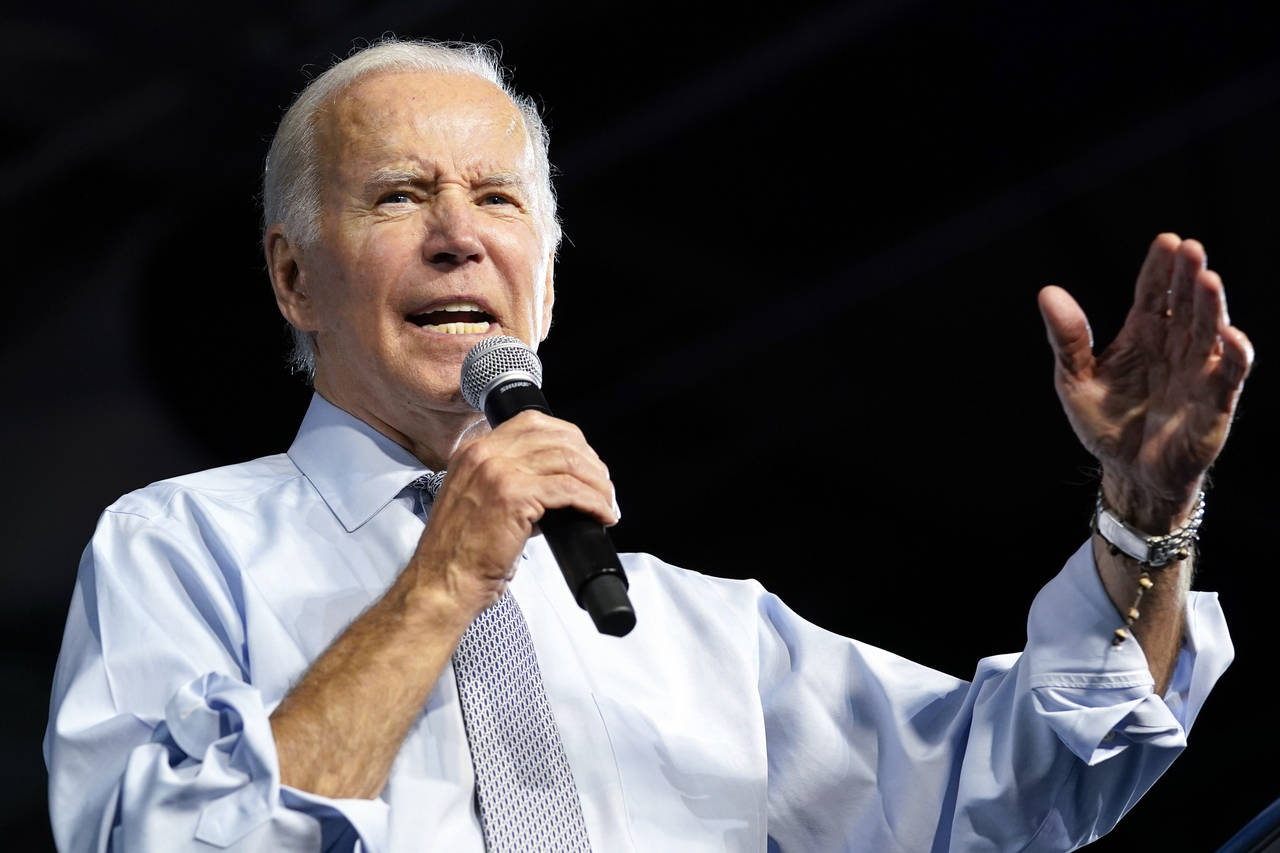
[502,377]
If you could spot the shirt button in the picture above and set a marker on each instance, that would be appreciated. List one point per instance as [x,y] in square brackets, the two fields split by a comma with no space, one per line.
[1109,736]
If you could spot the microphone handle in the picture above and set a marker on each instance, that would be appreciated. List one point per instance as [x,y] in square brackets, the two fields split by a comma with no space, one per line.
[581,545]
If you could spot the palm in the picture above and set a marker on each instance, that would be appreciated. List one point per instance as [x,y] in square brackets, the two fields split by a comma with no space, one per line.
[1155,406]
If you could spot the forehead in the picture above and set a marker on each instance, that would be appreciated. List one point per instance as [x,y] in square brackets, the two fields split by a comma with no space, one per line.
[432,121]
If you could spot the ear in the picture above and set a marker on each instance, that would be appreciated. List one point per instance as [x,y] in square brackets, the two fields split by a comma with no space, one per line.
[548,297]
[287,280]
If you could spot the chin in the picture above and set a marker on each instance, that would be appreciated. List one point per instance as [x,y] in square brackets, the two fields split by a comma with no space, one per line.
[438,392]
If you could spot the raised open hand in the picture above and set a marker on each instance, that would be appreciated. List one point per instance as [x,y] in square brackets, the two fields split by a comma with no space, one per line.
[1155,406]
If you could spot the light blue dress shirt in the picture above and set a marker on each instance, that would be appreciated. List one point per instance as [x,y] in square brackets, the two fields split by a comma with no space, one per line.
[722,722]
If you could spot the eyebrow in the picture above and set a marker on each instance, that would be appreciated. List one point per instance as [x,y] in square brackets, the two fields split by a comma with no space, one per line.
[388,176]
[502,179]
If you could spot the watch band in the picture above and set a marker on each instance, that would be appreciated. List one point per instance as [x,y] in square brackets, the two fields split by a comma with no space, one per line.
[1154,551]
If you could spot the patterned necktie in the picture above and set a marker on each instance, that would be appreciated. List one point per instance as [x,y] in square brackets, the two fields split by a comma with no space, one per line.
[524,785]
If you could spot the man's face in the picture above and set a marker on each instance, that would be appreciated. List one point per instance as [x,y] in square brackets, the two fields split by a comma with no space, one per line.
[428,241]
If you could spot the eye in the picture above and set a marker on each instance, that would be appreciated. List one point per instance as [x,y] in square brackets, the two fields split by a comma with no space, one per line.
[496,198]
[396,197]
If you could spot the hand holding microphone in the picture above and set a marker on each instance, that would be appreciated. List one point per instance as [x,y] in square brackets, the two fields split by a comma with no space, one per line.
[502,377]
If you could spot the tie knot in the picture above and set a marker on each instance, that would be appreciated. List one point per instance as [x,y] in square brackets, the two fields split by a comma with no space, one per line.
[429,485]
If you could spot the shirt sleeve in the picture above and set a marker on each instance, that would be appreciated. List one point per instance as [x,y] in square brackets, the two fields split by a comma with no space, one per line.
[1040,751]
[157,738]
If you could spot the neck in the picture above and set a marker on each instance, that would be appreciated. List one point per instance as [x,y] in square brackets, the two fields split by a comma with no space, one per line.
[431,435]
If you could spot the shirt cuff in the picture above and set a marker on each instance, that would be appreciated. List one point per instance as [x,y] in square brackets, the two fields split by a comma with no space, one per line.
[221,722]
[1098,697]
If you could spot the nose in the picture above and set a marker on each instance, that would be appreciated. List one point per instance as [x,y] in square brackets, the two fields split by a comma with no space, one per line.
[453,236]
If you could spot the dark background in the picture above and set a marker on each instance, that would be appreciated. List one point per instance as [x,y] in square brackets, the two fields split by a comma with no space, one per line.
[796,303]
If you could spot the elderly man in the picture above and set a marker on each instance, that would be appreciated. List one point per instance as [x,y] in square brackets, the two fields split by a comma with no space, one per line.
[331,650]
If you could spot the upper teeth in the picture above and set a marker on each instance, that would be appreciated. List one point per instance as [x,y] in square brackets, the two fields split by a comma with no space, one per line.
[460,306]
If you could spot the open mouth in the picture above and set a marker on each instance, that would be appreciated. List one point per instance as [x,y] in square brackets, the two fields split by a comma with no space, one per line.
[454,318]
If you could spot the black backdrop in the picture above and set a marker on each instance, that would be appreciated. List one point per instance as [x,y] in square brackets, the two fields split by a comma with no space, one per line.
[796,303]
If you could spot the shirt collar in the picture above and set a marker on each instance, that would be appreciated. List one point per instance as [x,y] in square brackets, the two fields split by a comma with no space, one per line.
[356,469]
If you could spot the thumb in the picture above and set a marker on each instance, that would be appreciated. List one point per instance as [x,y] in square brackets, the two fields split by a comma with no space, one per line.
[1068,330]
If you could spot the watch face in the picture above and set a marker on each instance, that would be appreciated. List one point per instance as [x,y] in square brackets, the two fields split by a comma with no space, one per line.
[1119,534]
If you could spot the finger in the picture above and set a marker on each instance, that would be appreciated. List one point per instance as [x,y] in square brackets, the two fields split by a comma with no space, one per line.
[564,490]
[531,421]
[534,444]
[1150,295]
[557,460]
[1188,263]
[532,429]
[1209,313]
[1237,360]
[556,447]
[1068,331]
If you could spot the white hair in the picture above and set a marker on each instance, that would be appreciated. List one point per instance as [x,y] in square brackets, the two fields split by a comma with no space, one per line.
[291,181]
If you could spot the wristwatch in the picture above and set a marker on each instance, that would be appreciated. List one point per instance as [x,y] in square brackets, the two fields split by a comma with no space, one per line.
[1150,550]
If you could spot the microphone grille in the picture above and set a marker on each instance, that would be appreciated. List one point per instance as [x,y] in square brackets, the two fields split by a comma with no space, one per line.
[497,358]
